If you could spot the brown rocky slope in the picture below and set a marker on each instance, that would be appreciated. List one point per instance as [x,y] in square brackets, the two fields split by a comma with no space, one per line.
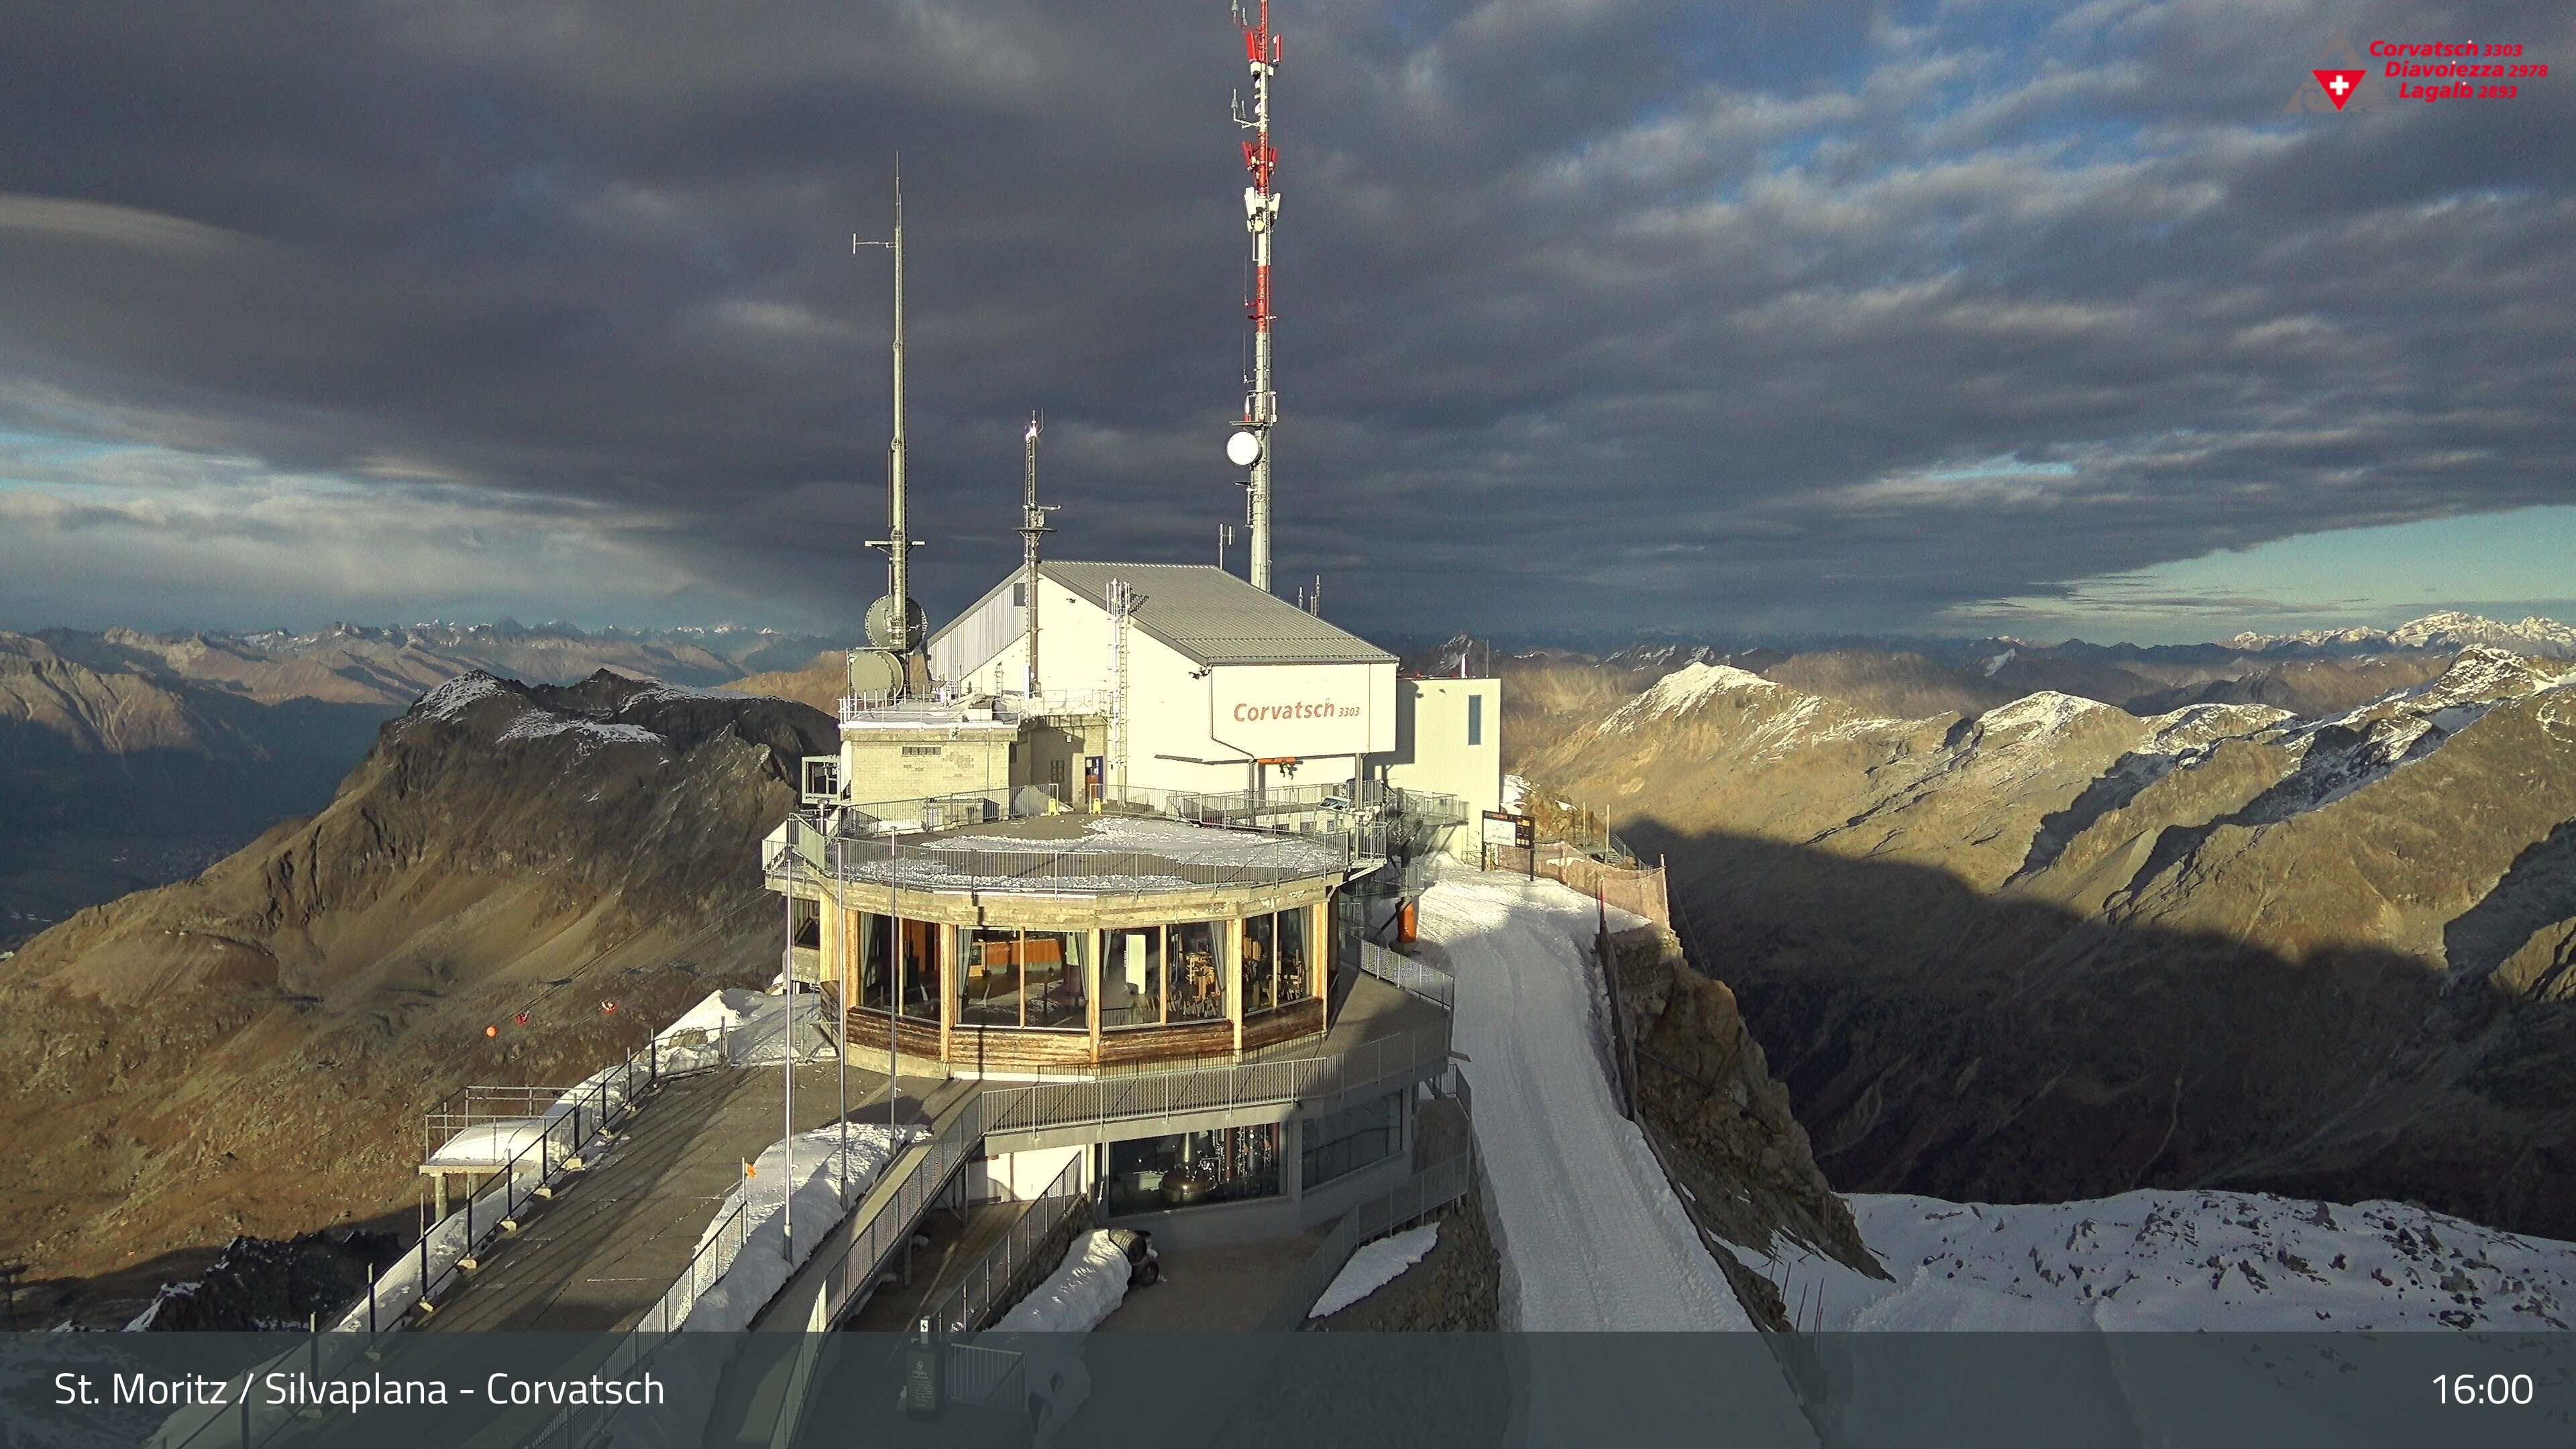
[248,1051]
[2053,950]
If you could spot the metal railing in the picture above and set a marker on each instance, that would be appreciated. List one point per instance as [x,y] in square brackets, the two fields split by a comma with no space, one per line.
[470,1107]
[984,1288]
[1418,1196]
[1408,975]
[1038,1106]
[448,1250]
[865,1249]
[978,1374]
[1349,807]
[930,863]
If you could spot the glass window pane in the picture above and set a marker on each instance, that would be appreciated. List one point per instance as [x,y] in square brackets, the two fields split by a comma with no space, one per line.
[923,963]
[1131,978]
[1193,1169]
[1198,992]
[1260,964]
[872,938]
[1055,972]
[1295,973]
[988,990]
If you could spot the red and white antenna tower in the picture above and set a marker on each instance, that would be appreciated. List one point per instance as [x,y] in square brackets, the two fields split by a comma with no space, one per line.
[1250,445]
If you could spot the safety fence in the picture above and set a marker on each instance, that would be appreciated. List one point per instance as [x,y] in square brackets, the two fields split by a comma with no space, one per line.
[854,1255]
[1038,1106]
[996,1280]
[1638,890]
[448,1251]
[1408,975]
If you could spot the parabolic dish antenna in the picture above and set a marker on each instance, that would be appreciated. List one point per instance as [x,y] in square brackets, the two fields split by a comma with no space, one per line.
[1244,448]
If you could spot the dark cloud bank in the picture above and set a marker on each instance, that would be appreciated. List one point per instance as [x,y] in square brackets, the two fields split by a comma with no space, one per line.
[1677,315]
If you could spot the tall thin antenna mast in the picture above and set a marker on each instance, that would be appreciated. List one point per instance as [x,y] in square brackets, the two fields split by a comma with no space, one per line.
[1033,526]
[900,633]
[1250,446]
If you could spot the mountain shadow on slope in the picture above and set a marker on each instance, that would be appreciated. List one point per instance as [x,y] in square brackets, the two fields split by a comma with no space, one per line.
[1984,1047]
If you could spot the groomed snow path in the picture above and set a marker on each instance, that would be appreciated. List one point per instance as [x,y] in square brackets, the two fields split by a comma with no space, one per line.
[1596,1238]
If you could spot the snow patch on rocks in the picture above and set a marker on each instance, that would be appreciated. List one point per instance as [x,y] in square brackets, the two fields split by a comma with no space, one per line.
[1375,1265]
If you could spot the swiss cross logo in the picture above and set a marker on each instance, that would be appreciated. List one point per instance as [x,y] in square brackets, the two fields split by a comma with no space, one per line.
[2339,84]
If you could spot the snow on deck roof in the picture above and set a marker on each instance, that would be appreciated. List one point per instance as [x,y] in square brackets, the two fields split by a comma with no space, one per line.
[1089,853]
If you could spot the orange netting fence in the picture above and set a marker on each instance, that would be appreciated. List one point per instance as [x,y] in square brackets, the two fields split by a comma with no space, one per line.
[1638,890]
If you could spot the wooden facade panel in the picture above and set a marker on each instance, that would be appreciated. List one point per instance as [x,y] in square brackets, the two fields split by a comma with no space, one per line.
[1179,1042]
[911,1037]
[1018,1049]
[1303,1018]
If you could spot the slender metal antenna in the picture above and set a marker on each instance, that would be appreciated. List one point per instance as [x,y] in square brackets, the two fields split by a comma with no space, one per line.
[1260,217]
[898,543]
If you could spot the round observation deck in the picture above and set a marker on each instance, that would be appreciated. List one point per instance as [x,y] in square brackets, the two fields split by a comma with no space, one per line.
[1074,942]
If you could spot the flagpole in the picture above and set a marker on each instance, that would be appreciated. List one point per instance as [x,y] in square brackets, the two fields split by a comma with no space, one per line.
[787,1017]
[841,1034]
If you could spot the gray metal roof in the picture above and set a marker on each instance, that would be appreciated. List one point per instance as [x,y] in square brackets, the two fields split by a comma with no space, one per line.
[1215,618]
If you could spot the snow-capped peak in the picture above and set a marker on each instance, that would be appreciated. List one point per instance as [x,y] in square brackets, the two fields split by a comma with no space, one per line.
[1688,686]
[2046,712]
[2447,629]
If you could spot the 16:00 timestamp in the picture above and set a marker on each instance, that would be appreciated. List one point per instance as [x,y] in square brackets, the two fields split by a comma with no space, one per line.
[2491,1389]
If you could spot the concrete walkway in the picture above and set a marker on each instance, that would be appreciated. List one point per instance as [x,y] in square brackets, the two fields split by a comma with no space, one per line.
[616,1237]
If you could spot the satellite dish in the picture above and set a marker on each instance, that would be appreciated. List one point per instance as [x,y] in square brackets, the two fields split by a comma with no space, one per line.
[1244,448]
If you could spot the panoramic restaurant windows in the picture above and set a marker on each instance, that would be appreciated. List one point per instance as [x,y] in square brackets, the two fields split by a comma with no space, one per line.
[1025,978]
[1275,961]
[1198,992]
[924,964]
[1131,978]
[1142,976]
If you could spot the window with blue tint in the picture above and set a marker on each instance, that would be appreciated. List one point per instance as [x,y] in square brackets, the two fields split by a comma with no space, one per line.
[1475,719]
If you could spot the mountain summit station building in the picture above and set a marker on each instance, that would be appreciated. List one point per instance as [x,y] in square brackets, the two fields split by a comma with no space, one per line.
[1168,850]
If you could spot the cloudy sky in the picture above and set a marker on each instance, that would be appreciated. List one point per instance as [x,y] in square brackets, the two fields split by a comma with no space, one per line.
[1594,314]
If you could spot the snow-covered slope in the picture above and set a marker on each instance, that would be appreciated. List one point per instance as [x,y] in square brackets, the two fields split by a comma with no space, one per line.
[2186,1261]
[1597,1239]
[1591,1233]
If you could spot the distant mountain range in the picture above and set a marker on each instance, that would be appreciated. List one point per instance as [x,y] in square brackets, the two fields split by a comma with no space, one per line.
[2446,630]
[128,759]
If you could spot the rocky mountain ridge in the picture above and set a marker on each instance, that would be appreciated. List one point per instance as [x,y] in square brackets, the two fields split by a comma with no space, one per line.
[169,1059]
[2052,950]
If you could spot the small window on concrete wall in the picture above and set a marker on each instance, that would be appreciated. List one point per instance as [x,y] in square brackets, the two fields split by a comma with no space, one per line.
[1019,596]
[1475,719]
